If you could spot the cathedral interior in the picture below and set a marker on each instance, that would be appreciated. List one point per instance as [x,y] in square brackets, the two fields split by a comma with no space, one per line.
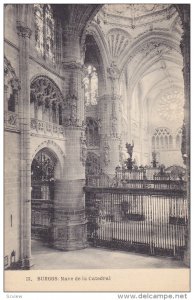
[96,129]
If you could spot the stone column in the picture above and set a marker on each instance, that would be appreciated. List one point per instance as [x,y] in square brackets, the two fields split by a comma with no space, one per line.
[6,88]
[69,224]
[184,12]
[110,133]
[24,34]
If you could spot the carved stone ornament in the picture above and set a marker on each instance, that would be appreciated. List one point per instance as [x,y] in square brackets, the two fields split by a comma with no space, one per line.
[83,149]
[50,144]
[70,111]
[114,126]
[106,152]
[44,91]
[15,84]
[23,31]
[113,71]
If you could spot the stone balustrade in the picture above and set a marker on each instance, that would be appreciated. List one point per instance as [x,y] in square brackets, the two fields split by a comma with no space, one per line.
[47,128]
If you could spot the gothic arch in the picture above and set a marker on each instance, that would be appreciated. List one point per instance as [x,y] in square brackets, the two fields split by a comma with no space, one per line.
[101,52]
[99,38]
[55,151]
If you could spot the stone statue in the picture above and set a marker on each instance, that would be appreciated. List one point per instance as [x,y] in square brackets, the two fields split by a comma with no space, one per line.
[130,149]
[113,71]
[154,159]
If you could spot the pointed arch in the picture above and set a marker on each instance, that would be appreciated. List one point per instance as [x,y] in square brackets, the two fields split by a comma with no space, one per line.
[150,41]
[54,151]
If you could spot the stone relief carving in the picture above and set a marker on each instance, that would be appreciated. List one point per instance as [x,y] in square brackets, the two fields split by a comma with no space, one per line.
[114,128]
[71,104]
[46,128]
[83,149]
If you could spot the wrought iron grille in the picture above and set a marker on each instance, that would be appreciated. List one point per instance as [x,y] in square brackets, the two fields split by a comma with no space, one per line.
[142,220]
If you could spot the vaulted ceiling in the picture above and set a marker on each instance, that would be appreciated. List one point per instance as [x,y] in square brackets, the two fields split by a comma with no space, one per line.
[144,40]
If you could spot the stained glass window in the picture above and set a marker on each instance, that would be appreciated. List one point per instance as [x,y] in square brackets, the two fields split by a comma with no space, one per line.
[44,30]
[91,86]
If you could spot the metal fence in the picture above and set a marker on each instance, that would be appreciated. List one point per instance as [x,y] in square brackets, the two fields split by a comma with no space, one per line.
[145,220]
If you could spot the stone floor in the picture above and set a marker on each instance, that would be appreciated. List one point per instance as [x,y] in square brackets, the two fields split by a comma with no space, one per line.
[44,258]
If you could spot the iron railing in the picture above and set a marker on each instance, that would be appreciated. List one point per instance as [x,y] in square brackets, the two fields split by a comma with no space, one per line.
[146,220]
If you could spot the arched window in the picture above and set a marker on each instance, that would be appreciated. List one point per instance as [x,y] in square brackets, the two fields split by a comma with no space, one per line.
[179,138]
[44,31]
[92,134]
[46,100]
[161,139]
[91,85]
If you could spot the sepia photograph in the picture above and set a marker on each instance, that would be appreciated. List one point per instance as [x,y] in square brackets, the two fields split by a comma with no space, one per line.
[96,147]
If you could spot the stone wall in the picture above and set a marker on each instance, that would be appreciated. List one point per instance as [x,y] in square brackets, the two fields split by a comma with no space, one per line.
[12,194]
